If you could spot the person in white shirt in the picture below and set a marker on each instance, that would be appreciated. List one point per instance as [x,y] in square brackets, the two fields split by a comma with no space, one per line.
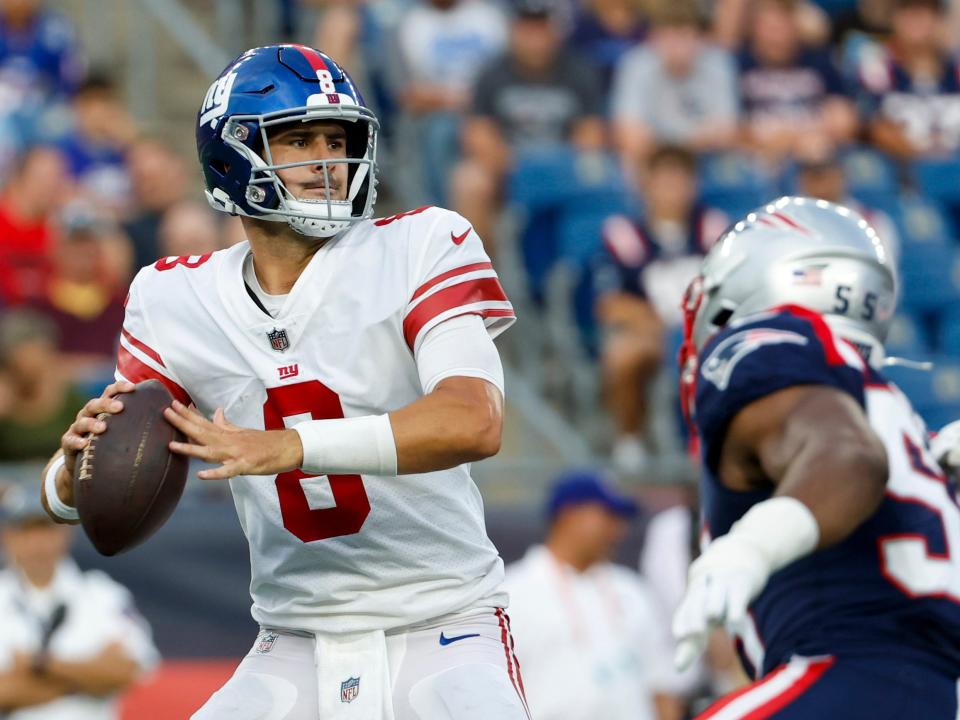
[591,639]
[71,640]
[340,372]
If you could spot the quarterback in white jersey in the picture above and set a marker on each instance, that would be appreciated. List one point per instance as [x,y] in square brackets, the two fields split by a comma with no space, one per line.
[348,367]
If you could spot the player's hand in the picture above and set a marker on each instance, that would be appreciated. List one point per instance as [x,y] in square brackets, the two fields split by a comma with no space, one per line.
[240,451]
[721,584]
[78,435]
[945,447]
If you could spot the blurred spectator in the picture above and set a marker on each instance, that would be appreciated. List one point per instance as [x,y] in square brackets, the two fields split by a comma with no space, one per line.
[604,30]
[72,640]
[102,132]
[790,94]
[443,45]
[867,20]
[536,95]
[674,88]
[38,400]
[189,228]
[591,640]
[40,67]
[639,283]
[731,20]
[670,544]
[820,175]
[159,181]
[84,297]
[911,87]
[37,189]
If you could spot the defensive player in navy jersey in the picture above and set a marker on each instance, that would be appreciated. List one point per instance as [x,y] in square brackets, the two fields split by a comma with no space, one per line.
[832,538]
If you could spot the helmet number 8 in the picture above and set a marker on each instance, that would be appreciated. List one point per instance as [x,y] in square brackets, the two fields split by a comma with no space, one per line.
[326,82]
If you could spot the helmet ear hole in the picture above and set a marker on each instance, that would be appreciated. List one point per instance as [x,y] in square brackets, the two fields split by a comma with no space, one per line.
[721,317]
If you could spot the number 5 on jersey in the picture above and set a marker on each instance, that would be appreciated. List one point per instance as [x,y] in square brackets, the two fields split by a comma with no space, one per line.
[352,505]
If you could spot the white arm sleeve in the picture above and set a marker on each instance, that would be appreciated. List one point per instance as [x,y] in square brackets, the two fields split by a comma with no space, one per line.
[460,346]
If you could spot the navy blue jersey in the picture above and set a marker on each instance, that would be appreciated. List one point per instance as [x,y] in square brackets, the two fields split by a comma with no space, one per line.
[893,586]
[788,93]
[928,109]
[656,266]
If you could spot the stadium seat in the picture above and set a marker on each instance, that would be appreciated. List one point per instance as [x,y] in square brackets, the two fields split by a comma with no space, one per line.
[948,331]
[908,337]
[937,179]
[935,394]
[580,226]
[734,183]
[871,177]
[928,257]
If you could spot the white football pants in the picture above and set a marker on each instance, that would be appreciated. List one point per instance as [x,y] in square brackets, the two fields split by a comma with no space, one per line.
[462,669]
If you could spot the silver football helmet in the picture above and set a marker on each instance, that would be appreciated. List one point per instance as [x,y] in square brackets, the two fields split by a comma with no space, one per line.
[797,251]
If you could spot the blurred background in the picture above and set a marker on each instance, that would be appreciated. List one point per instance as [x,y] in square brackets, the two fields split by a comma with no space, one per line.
[599,147]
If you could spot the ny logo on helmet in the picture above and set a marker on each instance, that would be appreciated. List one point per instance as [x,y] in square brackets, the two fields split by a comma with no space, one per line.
[217,99]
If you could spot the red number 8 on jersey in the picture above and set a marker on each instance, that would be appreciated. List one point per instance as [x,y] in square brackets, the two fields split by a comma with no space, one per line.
[352,504]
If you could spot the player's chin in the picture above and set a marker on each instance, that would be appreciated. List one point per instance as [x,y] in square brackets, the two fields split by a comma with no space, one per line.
[320,194]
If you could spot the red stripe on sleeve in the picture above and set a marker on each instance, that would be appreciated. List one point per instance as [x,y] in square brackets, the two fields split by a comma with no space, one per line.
[813,673]
[143,347]
[136,371]
[820,329]
[714,709]
[465,293]
[449,274]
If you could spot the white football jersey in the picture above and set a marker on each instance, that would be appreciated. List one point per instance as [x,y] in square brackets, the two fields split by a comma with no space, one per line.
[339,553]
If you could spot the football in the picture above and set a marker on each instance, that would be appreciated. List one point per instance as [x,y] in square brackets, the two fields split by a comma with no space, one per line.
[126,481]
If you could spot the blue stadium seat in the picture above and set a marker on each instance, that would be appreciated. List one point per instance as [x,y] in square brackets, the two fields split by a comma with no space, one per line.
[948,331]
[937,179]
[871,177]
[935,394]
[908,337]
[928,258]
[734,183]
[547,184]
[580,225]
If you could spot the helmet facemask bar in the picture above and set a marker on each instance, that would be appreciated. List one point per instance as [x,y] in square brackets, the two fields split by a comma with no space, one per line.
[331,216]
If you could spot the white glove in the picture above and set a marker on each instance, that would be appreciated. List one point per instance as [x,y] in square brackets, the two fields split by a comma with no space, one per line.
[945,446]
[734,569]
[720,586]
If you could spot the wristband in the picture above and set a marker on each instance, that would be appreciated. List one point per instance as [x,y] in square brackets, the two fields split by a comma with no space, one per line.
[57,506]
[361,445]
[782,529]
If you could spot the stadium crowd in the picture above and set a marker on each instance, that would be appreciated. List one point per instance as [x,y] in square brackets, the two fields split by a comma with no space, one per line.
[615,139]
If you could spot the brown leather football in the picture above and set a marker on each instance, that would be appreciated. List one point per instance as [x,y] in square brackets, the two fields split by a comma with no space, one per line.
[127,482]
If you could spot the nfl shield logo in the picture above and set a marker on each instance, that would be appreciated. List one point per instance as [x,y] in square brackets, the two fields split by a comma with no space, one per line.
[349,689]
[265,642]
[278,340]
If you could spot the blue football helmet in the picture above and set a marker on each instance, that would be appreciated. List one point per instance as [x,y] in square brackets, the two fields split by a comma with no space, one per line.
[266,87]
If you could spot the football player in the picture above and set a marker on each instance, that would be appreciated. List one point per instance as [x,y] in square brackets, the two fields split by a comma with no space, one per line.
[340,372]
[832,537]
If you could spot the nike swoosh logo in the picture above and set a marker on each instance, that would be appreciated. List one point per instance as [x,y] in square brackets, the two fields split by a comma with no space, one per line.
[445,640]
[457,239]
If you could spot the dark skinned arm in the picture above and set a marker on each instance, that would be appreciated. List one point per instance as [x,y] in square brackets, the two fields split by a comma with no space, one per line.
[814,444]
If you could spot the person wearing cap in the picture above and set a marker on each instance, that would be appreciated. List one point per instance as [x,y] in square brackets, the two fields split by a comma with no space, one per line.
[71,640]
[591,641]
[910,87]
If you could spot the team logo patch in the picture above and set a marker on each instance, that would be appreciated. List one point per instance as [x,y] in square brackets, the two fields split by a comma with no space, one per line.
[278,339]
[718,367]
[349,689]
[811,275]
[266,642]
